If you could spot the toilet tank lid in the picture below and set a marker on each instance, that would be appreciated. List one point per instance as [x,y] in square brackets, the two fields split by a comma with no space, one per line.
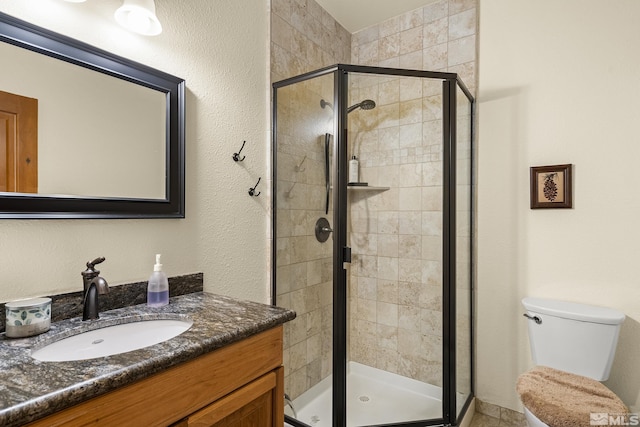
[575,311]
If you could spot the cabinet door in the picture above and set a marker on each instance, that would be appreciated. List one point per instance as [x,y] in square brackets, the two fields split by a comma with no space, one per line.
[256,413]
[249,406]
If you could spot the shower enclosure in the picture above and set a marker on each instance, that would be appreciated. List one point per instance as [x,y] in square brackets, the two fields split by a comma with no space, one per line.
[379,271]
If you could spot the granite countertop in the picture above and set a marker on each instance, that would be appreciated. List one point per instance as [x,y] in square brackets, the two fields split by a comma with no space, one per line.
[32,389]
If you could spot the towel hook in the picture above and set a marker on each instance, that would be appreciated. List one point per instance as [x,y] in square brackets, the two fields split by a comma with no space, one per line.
[252,191]
[236,156]
[299,167]
[287,194]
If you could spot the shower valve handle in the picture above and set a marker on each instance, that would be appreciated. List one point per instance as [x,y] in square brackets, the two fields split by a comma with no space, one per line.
[323,228]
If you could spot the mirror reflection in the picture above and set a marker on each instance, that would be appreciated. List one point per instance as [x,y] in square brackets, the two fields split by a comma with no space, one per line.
[92,135]
[107,136]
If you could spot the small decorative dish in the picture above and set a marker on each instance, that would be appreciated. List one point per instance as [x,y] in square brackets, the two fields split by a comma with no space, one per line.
[29,317]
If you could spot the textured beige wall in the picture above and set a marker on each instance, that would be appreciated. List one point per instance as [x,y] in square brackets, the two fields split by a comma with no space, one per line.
[557,85]
[220,49]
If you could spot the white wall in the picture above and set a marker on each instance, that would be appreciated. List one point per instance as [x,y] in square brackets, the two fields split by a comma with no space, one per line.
[557,84]
[220,49]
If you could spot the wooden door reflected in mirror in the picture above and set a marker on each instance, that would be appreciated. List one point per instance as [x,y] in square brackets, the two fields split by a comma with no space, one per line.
[18,143]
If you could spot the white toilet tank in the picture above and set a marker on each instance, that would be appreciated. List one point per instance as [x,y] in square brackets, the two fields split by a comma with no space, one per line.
[572,337]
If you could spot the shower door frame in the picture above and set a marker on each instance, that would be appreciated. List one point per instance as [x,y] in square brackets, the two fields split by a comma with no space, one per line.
[342,252]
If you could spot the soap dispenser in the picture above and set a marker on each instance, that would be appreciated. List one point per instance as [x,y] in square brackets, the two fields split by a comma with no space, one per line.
[158,287]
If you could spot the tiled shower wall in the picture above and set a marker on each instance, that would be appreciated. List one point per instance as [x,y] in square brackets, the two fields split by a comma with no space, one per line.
[304,37]
[396,280]
[438,37]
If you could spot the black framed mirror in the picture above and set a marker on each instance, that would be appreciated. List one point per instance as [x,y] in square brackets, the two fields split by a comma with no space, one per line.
[107,145]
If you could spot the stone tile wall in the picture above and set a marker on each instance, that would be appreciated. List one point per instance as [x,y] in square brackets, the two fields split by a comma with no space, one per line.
[440,36]
[396,280]
[304,37]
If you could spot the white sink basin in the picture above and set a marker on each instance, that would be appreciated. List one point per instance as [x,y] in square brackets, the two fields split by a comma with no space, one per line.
[111,340]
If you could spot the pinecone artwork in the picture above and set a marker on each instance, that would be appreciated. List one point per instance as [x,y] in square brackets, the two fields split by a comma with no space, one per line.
[550,189]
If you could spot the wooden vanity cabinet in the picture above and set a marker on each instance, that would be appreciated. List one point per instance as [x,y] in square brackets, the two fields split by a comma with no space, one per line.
[241,384]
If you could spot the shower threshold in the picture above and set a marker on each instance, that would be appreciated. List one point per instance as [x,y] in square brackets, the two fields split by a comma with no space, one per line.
[374,396]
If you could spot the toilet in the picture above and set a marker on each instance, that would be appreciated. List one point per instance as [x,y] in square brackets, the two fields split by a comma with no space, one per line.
[573,346]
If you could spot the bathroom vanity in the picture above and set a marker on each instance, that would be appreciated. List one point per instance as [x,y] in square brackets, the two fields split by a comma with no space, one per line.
[225,370]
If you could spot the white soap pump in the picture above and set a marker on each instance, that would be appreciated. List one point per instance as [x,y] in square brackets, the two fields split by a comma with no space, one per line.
[158,287]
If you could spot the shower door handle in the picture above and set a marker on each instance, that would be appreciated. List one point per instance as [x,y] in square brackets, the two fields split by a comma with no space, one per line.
[346,254]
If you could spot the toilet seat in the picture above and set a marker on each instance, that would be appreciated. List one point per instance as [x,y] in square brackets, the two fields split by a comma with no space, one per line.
[558,398]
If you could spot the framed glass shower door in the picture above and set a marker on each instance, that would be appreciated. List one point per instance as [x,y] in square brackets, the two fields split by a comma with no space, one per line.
[395,319]
[304,127]
[464,248]
[392,301]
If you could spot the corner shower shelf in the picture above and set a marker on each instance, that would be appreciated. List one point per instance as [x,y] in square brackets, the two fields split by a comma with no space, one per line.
[366,188]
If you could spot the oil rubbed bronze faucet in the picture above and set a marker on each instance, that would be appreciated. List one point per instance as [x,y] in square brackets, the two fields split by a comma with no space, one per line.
[94,285]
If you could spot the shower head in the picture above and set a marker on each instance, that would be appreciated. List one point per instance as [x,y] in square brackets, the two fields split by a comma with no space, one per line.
[324,104]
[367,104]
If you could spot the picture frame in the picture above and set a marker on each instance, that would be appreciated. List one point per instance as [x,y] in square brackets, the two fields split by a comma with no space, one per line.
[551,187]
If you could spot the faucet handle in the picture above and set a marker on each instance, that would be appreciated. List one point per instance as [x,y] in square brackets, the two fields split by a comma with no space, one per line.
[91,264]
[91,272]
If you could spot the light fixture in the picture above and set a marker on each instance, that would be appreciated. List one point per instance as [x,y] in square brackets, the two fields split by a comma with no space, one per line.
[76,1]
[139,16]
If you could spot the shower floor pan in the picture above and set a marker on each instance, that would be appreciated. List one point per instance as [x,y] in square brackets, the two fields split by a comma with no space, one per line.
[374,396]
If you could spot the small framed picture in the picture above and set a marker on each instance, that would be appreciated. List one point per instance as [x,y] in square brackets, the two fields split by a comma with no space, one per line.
[551,187]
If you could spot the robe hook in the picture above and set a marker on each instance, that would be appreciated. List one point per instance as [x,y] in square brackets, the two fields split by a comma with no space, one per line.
[236,156]
[299,167]
[252,191]
[287,194]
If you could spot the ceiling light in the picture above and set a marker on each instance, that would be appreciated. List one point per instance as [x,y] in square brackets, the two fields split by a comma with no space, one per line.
[76,1]
[139,16]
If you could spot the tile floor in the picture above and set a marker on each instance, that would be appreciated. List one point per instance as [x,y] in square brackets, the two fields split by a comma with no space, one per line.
[482,420]
[488,415]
